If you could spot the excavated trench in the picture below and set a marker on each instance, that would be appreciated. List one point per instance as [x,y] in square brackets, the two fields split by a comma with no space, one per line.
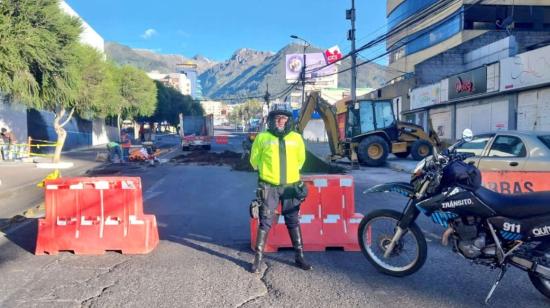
[313,164]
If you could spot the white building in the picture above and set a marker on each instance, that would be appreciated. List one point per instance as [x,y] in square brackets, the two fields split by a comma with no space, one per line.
[88,36]
[217,109]
[177,81]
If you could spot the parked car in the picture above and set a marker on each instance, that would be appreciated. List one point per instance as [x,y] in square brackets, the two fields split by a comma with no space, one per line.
[510,151]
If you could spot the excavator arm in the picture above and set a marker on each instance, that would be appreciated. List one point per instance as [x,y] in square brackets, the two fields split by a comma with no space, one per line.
[327,113]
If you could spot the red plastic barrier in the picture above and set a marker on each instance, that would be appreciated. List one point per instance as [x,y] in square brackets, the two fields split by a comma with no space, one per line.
[222,139]
[327,217]
[92,215]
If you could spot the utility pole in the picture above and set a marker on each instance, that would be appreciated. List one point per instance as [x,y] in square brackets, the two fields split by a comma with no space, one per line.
[350,15]
[267,96]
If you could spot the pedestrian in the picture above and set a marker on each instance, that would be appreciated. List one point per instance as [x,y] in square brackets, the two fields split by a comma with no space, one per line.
[9,147]
[126,144]
[115,152]
[3,149]
[141,132]
[278,154]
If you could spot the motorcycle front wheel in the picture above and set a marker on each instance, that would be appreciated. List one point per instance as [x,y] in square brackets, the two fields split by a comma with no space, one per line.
[542,285]
[375,234]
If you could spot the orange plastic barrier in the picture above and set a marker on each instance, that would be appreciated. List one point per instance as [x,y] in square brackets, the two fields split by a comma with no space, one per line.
[222,139]
[511,182]
[327,217]
[92,215]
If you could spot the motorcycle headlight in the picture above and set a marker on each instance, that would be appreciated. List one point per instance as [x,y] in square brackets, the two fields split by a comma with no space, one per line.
[418,170]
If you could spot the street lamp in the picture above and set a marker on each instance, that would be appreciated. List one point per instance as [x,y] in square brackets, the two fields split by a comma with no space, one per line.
[303,72]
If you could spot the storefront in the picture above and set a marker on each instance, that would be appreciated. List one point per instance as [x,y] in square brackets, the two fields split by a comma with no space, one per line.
[529,73]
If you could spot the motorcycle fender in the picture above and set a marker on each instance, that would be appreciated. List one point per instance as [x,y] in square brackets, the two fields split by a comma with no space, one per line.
[401,188]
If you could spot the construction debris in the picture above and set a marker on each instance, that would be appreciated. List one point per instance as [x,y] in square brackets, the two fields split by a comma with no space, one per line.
[235,160]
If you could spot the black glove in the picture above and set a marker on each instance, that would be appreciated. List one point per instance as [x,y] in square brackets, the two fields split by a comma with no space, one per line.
[300,191]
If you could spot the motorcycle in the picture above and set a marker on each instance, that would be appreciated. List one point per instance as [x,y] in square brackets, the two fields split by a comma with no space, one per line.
[483,226]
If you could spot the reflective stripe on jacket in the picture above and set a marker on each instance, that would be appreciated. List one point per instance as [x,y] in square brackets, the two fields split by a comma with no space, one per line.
[278,160]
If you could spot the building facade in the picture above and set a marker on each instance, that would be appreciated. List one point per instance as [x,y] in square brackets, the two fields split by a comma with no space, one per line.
[217,109]
[189,69]
[426,28]
[510,94]
[177,81]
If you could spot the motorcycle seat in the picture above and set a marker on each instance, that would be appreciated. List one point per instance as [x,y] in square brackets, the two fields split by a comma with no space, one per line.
[516,205]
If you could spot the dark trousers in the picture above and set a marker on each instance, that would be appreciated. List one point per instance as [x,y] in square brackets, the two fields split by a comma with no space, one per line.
[290,206]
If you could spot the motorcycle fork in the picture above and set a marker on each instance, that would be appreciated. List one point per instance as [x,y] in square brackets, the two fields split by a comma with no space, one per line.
[409,216]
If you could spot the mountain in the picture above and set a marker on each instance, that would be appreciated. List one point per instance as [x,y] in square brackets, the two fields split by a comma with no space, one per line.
[148,60]
[248,72]
[236,75]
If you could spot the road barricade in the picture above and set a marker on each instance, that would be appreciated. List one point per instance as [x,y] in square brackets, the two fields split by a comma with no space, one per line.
[222,139]
[92,215]
[327,217]
[513,182]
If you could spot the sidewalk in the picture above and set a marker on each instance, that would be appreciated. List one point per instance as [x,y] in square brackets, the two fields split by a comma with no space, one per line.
[18,191]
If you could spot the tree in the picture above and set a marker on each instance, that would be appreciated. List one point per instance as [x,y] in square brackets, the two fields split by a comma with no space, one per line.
[246,111]
[171,103]
[43,66]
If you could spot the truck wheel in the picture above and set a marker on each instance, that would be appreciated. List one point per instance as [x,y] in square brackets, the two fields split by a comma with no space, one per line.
[373,151]
[420,149]
[403,154]
[206,147]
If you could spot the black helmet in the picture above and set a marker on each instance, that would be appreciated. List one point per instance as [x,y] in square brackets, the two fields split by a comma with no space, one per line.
[279,109]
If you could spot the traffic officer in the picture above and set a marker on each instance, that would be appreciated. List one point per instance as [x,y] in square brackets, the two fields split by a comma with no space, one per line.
[278,154]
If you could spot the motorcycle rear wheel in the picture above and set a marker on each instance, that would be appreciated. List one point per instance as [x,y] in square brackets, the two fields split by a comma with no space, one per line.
[376,232]
[541,284]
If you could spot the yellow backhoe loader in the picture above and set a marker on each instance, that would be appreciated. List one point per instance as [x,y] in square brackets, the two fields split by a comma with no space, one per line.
[367,132]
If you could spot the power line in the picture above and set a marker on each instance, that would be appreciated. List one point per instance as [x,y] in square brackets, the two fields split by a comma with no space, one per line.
[432,10]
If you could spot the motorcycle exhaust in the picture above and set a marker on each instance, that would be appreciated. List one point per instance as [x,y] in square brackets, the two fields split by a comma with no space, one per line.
[445,237]
[531,266]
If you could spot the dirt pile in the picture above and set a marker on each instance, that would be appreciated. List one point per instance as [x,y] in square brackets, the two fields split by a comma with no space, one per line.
[205,158]
[313,164]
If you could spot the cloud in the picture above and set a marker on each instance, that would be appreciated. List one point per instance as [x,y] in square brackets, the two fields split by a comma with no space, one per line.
[149,33]
[183,34]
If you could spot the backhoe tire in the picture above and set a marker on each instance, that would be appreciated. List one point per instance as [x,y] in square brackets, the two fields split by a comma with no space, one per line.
[420,149]
[403,154]
[373,151]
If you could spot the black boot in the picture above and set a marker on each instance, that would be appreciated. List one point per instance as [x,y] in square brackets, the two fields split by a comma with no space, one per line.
[260,244]
[296,237]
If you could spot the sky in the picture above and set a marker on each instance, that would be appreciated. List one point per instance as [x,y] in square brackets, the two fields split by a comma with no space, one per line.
[216,28]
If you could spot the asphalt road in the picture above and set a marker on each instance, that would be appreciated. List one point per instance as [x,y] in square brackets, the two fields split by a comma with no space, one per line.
[203,258]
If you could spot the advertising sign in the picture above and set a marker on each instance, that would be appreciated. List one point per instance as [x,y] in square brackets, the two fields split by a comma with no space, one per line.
[333,54]
[468,83]
[315,70]
[526,69]
[426,96]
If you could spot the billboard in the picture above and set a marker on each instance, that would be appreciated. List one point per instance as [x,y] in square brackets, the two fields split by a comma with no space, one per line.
[525,70]
[315,68]
[468,83]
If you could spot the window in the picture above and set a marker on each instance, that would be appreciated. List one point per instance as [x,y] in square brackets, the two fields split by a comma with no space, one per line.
[476,146]
[546,140]
[507,146]
[433,35]
[384,115]
[366,116]
[406,9]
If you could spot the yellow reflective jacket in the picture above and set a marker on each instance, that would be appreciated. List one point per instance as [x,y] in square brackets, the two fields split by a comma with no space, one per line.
[278,162]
